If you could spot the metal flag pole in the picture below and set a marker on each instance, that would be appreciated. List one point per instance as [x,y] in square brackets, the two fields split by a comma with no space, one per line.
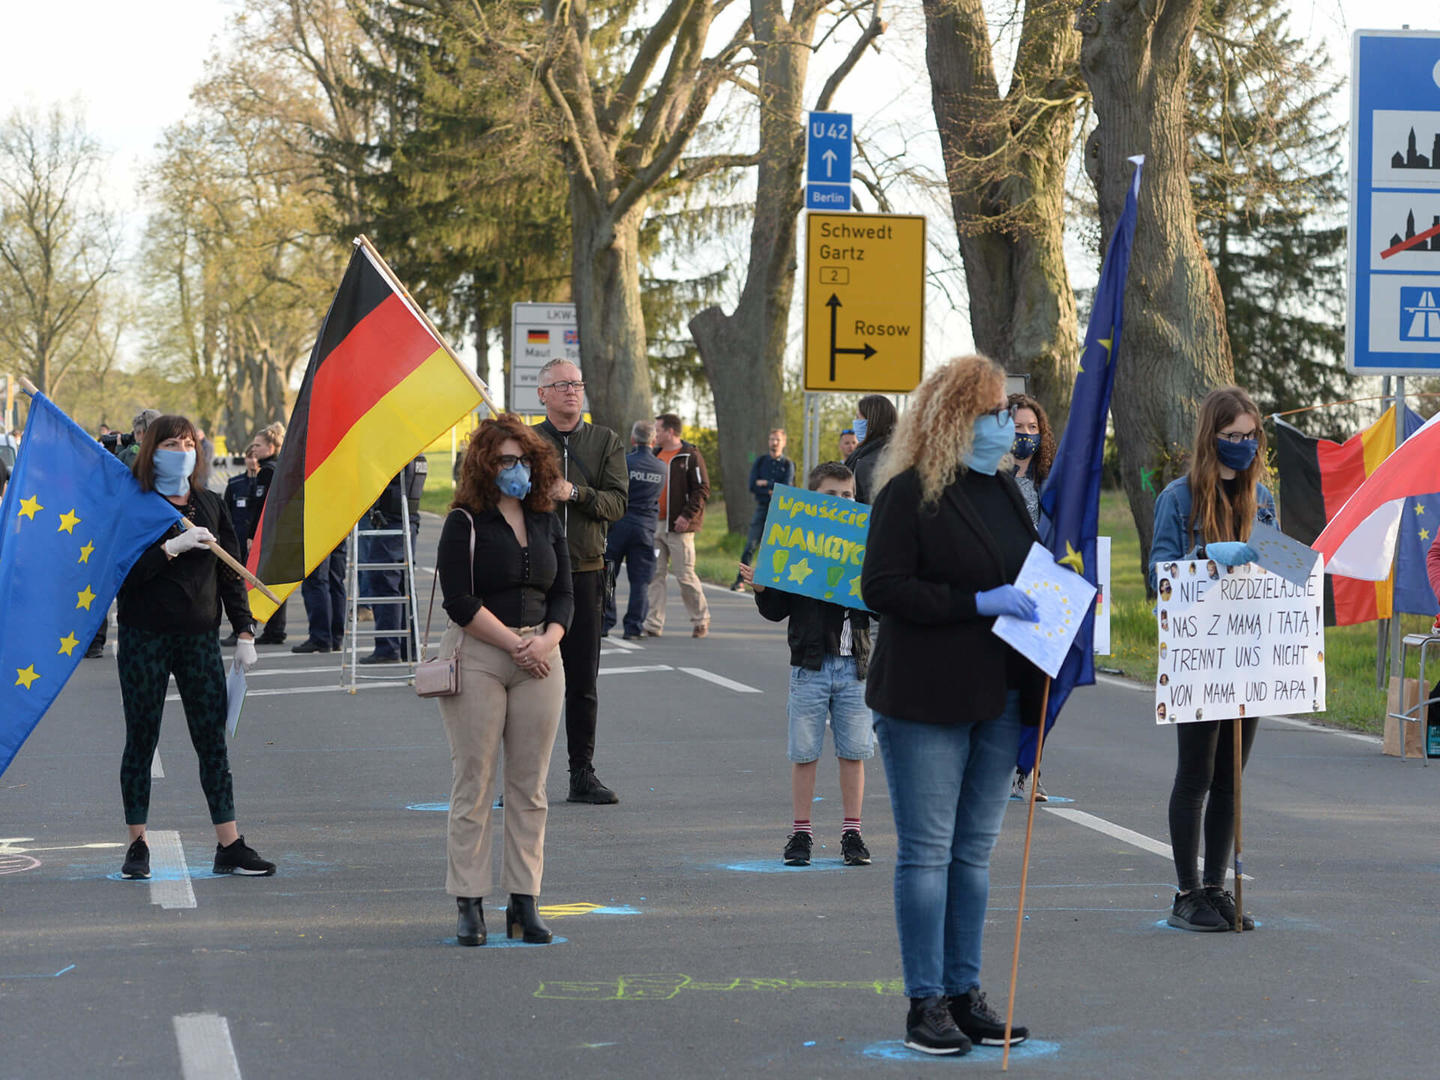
[215,549]
[1024,875]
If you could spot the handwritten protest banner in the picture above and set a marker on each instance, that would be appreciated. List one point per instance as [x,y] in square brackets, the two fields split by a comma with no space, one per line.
[1237,641]
[814,545]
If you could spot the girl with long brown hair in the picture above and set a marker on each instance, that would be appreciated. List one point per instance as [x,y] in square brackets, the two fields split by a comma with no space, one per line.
[1208,514]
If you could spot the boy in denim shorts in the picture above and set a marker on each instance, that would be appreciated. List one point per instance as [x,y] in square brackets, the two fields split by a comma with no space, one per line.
[829,652]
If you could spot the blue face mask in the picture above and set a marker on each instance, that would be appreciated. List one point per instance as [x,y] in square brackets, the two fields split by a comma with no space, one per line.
[992,441]
[1237,456]
[514,481]
[1024,447]
[172,471]
[860,425]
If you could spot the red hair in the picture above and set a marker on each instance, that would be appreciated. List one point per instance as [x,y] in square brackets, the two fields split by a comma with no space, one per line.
[476,488]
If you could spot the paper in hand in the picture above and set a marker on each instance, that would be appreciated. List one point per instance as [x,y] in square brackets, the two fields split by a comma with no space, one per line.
[1062,600]
[1281,554]
[234,698]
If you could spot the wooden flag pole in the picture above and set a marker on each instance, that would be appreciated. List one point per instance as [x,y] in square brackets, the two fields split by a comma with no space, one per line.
[215,549]
[1024,874]
[1239,861]
[364,241]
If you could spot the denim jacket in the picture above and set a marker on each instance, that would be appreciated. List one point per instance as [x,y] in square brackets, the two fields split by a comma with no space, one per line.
[1173,540]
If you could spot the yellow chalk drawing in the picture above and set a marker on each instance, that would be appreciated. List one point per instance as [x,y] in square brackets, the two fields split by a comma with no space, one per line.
[663,987]
[559,911]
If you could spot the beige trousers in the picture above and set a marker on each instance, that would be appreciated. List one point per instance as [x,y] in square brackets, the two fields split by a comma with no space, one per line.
[498,706]
[676,551]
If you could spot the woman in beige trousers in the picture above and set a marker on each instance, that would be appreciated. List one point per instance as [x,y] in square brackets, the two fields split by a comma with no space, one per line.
[504,570]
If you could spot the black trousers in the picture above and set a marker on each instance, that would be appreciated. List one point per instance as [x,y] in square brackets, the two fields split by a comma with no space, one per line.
[580,653]
[1206,766]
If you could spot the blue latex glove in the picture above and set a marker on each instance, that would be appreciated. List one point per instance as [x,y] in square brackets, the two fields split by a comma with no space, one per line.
[1231,552]
[1006,600]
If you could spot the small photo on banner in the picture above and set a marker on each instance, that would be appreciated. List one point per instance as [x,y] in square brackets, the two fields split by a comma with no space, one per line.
[814,545]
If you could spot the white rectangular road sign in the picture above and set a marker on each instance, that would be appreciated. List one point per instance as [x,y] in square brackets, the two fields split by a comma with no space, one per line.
[1393,324]
[539,333]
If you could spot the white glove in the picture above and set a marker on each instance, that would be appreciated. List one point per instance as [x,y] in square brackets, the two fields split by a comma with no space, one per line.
[188,540]
[245,654]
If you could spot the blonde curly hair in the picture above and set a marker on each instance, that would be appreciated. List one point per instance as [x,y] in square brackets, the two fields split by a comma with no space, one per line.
[938,427]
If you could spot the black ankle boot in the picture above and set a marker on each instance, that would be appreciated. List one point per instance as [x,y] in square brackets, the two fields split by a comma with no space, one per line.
[521,917]
[470,928]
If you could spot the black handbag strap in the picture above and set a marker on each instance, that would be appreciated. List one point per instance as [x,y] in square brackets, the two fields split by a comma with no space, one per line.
[425,643]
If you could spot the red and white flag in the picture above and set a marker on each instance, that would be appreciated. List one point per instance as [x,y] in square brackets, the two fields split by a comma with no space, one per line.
[1359,541]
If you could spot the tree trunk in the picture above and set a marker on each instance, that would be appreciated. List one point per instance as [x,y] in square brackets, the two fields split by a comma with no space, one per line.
[743,353]
[606,275]
[1005,160]
[1174,348]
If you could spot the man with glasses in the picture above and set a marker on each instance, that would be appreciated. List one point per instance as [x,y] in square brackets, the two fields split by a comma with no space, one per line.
[591,494]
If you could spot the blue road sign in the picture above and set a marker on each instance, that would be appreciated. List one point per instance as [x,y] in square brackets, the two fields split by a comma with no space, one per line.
[1394,280]
[827,197]
[828,143]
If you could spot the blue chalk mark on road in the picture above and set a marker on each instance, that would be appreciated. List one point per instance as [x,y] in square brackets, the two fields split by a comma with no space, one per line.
[622,909]
[39,975]
[775,866]
[497,942]
[165,875]
[1049,799]
[442,807]
[988,1056]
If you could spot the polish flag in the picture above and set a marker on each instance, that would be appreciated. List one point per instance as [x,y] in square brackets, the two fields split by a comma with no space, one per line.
[1359,541]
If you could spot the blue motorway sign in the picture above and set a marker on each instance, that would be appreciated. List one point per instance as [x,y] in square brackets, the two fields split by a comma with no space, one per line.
[828,144]
[1394,280]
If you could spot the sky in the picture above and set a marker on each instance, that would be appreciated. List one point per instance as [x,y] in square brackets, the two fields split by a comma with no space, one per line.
[133,78]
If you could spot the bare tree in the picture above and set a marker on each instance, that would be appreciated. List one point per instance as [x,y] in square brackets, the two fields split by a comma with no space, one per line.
[1136,57]
[744,352]
[58,243]
[1005,161]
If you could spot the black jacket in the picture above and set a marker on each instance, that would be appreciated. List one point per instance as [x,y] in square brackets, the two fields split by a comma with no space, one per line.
[814,628]
[936,660]
[862,463]
[593,459]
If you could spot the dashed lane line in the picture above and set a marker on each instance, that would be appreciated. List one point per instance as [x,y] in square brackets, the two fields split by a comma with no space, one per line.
[169,876]
[720,680]
[157,771]
[1119,832]
[206,1050]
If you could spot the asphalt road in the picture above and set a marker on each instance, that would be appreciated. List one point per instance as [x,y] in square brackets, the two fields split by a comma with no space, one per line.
[683,947]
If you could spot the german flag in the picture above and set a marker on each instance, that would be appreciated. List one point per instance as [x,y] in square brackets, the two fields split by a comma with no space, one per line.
[1316,478]
[537,337]
[379,388]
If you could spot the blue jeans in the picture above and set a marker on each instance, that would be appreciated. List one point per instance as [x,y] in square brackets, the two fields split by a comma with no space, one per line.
[757,530]
[949,786]
[634,542]
[323,591]
[833,693]
[385,549]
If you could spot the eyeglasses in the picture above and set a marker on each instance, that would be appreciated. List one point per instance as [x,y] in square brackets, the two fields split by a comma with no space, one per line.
[1236,436]
[1003,413]
[565,385]
[509,461]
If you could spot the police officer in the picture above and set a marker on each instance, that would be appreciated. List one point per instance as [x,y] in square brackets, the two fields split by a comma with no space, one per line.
[387,514]
[245,499]
[633,537]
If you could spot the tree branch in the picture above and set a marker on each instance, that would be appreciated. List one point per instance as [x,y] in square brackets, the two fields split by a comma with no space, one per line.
[832,84]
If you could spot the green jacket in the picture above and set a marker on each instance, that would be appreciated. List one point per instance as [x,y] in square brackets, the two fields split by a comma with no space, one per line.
[593,459]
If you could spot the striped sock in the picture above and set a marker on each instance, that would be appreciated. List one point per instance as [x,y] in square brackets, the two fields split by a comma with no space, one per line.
[803,827]
[851,823]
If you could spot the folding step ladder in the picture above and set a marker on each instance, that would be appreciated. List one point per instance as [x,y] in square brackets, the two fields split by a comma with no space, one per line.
[399,672]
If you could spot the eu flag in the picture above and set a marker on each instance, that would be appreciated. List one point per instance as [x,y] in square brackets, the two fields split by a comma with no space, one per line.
[1071,497]
[1417,532]
[72,523]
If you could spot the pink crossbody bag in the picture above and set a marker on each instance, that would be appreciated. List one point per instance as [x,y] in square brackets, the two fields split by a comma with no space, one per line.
[440,677]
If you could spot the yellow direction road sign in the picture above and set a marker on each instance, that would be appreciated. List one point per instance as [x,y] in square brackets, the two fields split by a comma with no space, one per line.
[864,302]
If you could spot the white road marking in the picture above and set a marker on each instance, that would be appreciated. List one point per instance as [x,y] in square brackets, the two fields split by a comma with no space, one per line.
[622,644]
[169,876]
[206,1052]
[635,670]
[1119,832]
[157,771]
[279,690]
[720,680]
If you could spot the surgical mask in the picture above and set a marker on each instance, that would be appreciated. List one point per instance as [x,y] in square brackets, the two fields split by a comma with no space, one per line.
[172,471]
[1238,455]
[992,441]
[1024,447]
[514,481]
[860,424]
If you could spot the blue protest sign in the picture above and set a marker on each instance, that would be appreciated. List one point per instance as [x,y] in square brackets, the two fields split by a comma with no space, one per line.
[814,545]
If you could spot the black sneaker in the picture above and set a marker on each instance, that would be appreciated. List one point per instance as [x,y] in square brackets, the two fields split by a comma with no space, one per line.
[310,645]
[268,638]
[981,1024]
[931,1029]
[852,846]
[1224,904]
[1193,911]
[137,860]
[240,858]
[94,652]
[586,787]
[797,849]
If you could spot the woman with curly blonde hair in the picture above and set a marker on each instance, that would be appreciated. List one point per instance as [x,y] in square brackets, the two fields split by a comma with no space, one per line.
[504,568]
[948,534]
